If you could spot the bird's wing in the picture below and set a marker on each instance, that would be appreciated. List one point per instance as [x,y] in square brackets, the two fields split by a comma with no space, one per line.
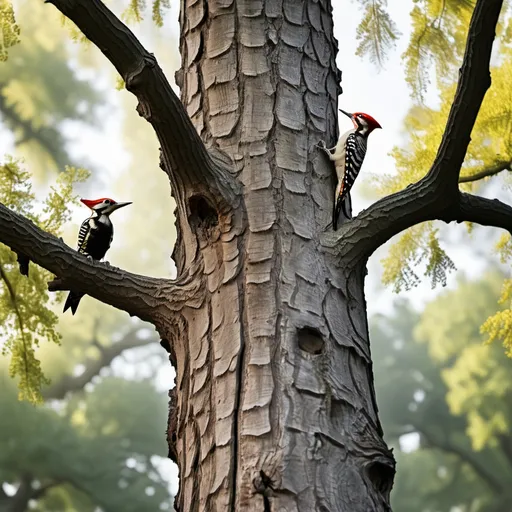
[84,234]
[355,152]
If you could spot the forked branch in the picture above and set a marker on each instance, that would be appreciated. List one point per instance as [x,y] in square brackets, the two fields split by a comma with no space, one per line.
[437,195]
[185,157]
[148,298]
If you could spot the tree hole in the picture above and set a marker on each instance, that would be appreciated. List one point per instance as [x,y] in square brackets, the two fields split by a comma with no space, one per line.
[202,213]
[381,475]
[310,340]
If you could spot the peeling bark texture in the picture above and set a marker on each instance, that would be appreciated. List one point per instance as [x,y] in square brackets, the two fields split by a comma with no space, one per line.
[274,407]
[273,370]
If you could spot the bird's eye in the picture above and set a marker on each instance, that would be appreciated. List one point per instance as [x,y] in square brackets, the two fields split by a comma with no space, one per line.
[108,201]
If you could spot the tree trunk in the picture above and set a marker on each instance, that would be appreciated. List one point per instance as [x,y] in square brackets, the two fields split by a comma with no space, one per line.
[274,406]
[273,367]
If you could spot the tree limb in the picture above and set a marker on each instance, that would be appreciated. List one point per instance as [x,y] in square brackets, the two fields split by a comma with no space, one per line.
[148,298]
[436,196]
[93,366]
[182,148]
[474,80]
[446,446]
[487,212]
[19,502]
[491,171]
[49,138]
[506,447]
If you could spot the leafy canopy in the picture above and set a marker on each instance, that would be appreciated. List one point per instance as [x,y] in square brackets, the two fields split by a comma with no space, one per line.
[24,303]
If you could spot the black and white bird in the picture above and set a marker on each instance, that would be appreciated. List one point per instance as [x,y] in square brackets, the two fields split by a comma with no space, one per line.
[348,156]
[95,236]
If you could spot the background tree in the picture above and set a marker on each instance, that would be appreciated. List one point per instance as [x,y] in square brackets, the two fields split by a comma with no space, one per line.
[299,293]
[438,381]
[34,106]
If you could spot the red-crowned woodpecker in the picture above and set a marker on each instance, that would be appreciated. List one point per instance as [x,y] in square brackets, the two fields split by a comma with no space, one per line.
[94,237]
[348,156]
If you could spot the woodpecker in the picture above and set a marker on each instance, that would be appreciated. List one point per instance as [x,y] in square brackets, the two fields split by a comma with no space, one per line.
[94,237]
[348,157]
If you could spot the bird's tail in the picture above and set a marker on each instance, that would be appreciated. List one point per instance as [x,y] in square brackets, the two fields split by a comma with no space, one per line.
[72,301]
[23,263]
[336,212]
[341,204]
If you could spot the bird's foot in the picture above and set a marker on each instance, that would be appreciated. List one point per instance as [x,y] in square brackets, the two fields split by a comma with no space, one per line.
[89,257]
[107,263]
[321,145]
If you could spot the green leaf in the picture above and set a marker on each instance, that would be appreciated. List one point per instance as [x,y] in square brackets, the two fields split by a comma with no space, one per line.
[377,33]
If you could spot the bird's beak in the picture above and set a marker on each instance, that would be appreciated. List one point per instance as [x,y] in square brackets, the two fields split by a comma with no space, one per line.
[346,113]
[116,206]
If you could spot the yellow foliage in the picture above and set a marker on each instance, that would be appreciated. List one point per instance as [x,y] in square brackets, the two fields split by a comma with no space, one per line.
[9,29]
[499,325]
[24,311]
[483,432]
[417,245]
[504,247]
[476,375]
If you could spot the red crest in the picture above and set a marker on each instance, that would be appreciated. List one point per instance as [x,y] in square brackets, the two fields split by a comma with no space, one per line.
[91,203]
[372,122]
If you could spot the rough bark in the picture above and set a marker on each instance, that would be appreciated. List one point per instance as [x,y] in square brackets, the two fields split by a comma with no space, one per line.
[280,381]
[274,404]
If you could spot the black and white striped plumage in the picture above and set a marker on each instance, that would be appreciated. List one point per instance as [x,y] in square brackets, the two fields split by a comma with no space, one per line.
[354,155]
[348,156]
[94,238]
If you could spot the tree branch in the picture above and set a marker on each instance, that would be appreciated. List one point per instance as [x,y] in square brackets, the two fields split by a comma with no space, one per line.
[491,171]
[182,148]
[148,298]
[436,196]
[474,80]
[49,138]
[506,447]
[19,502]
[487,212]
[68,383]
[486,475]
